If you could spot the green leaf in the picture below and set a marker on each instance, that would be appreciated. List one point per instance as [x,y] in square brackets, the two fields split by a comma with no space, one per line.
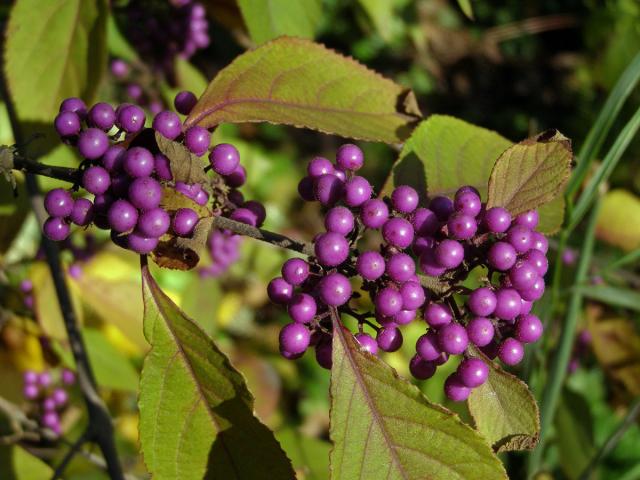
[301,83]
[268,19]
[383,427]
[17,464]
[466,7]
[384,16]
[614,296]
[619,219]
[531,174]
[54,49]
[196,413]
[504,410]
[119,46]
[308,455]
[573,422]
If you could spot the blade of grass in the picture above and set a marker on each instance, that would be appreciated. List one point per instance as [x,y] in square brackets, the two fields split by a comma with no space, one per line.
[614,296]
[623,261]
[604,170]
[563,353]
[596,136]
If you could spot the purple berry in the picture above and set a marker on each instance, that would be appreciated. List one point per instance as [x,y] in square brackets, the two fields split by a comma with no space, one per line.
[92,143]
[184,222]
[370,265]
[140,243]
[58,203]
[56,229]
[319,166]
[421,369]
[520,237]
[44,379]
[400,267]
[29,376]
[113,158]
[188,189]
[119,68]
[295,271]
[442,207]
[167,124]
[122,216]
[497,220]
[357,190]
[528,328]
[427,346]
[349,157]
[60,397]
[367,343]
[374,213]
[324,352]
[68,377]
[224,158]
[397,232]
[339,220]
[51,420]
[67,124]
[502,256]
[340,173]
[130,119]
[138,162]
[453,339]
[539,242]
[523,275]
[294,338]
[327,189]
[461,226]
[49,404]
[405,199]
[197,139]
[429,264]
[74,104]
[538,260]
[388,301]
[279,291]
[30,391]
[535,292]
[82,212]
[389,339]
[102,116]
[96,180]
[528,219]
[335,289]
[482,302]
[404,317]
[184,102]
[449,253]
[454,389]
[305,189]
[467,202]
[425,222]
[244,215]
[508,304]
[511,351]
[145,193]
[162,166]
[413,296]
[473,372]
[437,315]
[331,249]
[480,331]
[154,223]
[526,307]
[302,308]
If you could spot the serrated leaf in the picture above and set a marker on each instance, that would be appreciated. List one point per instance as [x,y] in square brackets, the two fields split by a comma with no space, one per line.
[532,173]
[301,83]
[504,410]
[54,49]
[196,413]
[619,219]
[185,166]
[268,19]
[383,427]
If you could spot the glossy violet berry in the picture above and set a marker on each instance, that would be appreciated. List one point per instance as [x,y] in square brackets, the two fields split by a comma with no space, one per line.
[523,275]
[197,139]
[420,368]
[305,189]
[96,180]
[295,271]
[58,203]
[528,219]
[370,265]
[405,199]
[324,352]
[429,264]
[453,338]
[145,193]
[389,339]
[122,216]
[539,242]
[184,222]
[339,220]
[404,317]
[319,166]
[280,291]
[119,68]
[449,253]
[502,256]
[184,102]
[497,220]
[331,249]
[374,213]
[427,346]
[68,377]
[400,267]
[437,315]
[138,162]
[82,212]
[167,124]
[367,343]
[538,260]
[131,118]
[140,243]
[162,166]
[92,143]
[388,301]
[154,222]
[508,304]
[473,372]
[413,296]
[350,157]
[302,308]
[244,215]
[56,229]
[335,289]
[60,397]
[425,222]
[520,238]
[75,105]
[528,328]
[113,158]
[102,116]
[462,226]
[224,158]
[357,190]
[482,302]
[454,389]
[30,391]
[442,207]
[511,351]
[480,331]
[535,292]
[398,232]
[467,202]
[327,189]
[67,124]
[294,338]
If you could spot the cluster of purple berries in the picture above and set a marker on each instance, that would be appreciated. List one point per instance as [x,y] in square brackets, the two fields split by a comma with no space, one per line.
[26,287]
[224,250]
[47,398]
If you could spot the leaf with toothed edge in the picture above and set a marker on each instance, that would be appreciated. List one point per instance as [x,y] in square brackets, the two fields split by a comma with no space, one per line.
[383,427]
[301,83]
[196,413]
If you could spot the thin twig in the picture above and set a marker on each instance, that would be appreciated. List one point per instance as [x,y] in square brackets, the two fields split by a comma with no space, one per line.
[75,448]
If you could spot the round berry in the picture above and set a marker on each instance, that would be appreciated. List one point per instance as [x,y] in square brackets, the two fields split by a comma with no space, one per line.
[295,271]
[68,377]
[389,339]
[340,173]
[367,343]
[244,215]
[122,216]
[357,190]
[102,116]
[425,222]
[442,207]
[467,202]
[520,237]
[538,260]
[482,302]
[397,232]
[162,166]
[331,249]
[279,291]
[319,166]
[60,397]
[75,105]
[449,253]
[427,346]
[154,223]
[511,351]
[188,189]
[497,220]
[535,292]
[58,203]
[324,352]
[370,265]
[429,264]
[473,372]
[339,220]
[350,157]
[131,118]
[302,308]
[113,158]
[374,213]
[462,226]
[56,229]
[420,368]
[327,189]
[405,199]
[92,143]
[528,328]
[145,193]
[140,243]
[82,213]
[294,338]
[404,317]
[224,158]
[67,124]
[184,102]
[388,301]
[454,389]
[400,267]
[119,68]
[305,189]
[502,256]
[539,242]
[523,275]
[96,180]
[413,296]
[138,162]
[335,289]
[197,139]
[453,339]
[528,219]
[437,315]
[480,331]
[167,124]
[508,304]
[184,222]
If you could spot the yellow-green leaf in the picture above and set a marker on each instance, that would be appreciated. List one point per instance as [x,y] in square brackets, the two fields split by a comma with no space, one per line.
[619,219]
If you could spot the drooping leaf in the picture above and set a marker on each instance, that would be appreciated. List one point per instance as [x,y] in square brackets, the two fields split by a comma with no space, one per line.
[268,19]
[54,49]
[504,410]
[383,427]
[301,83]
[196,413]
[530,174]
[619,219]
